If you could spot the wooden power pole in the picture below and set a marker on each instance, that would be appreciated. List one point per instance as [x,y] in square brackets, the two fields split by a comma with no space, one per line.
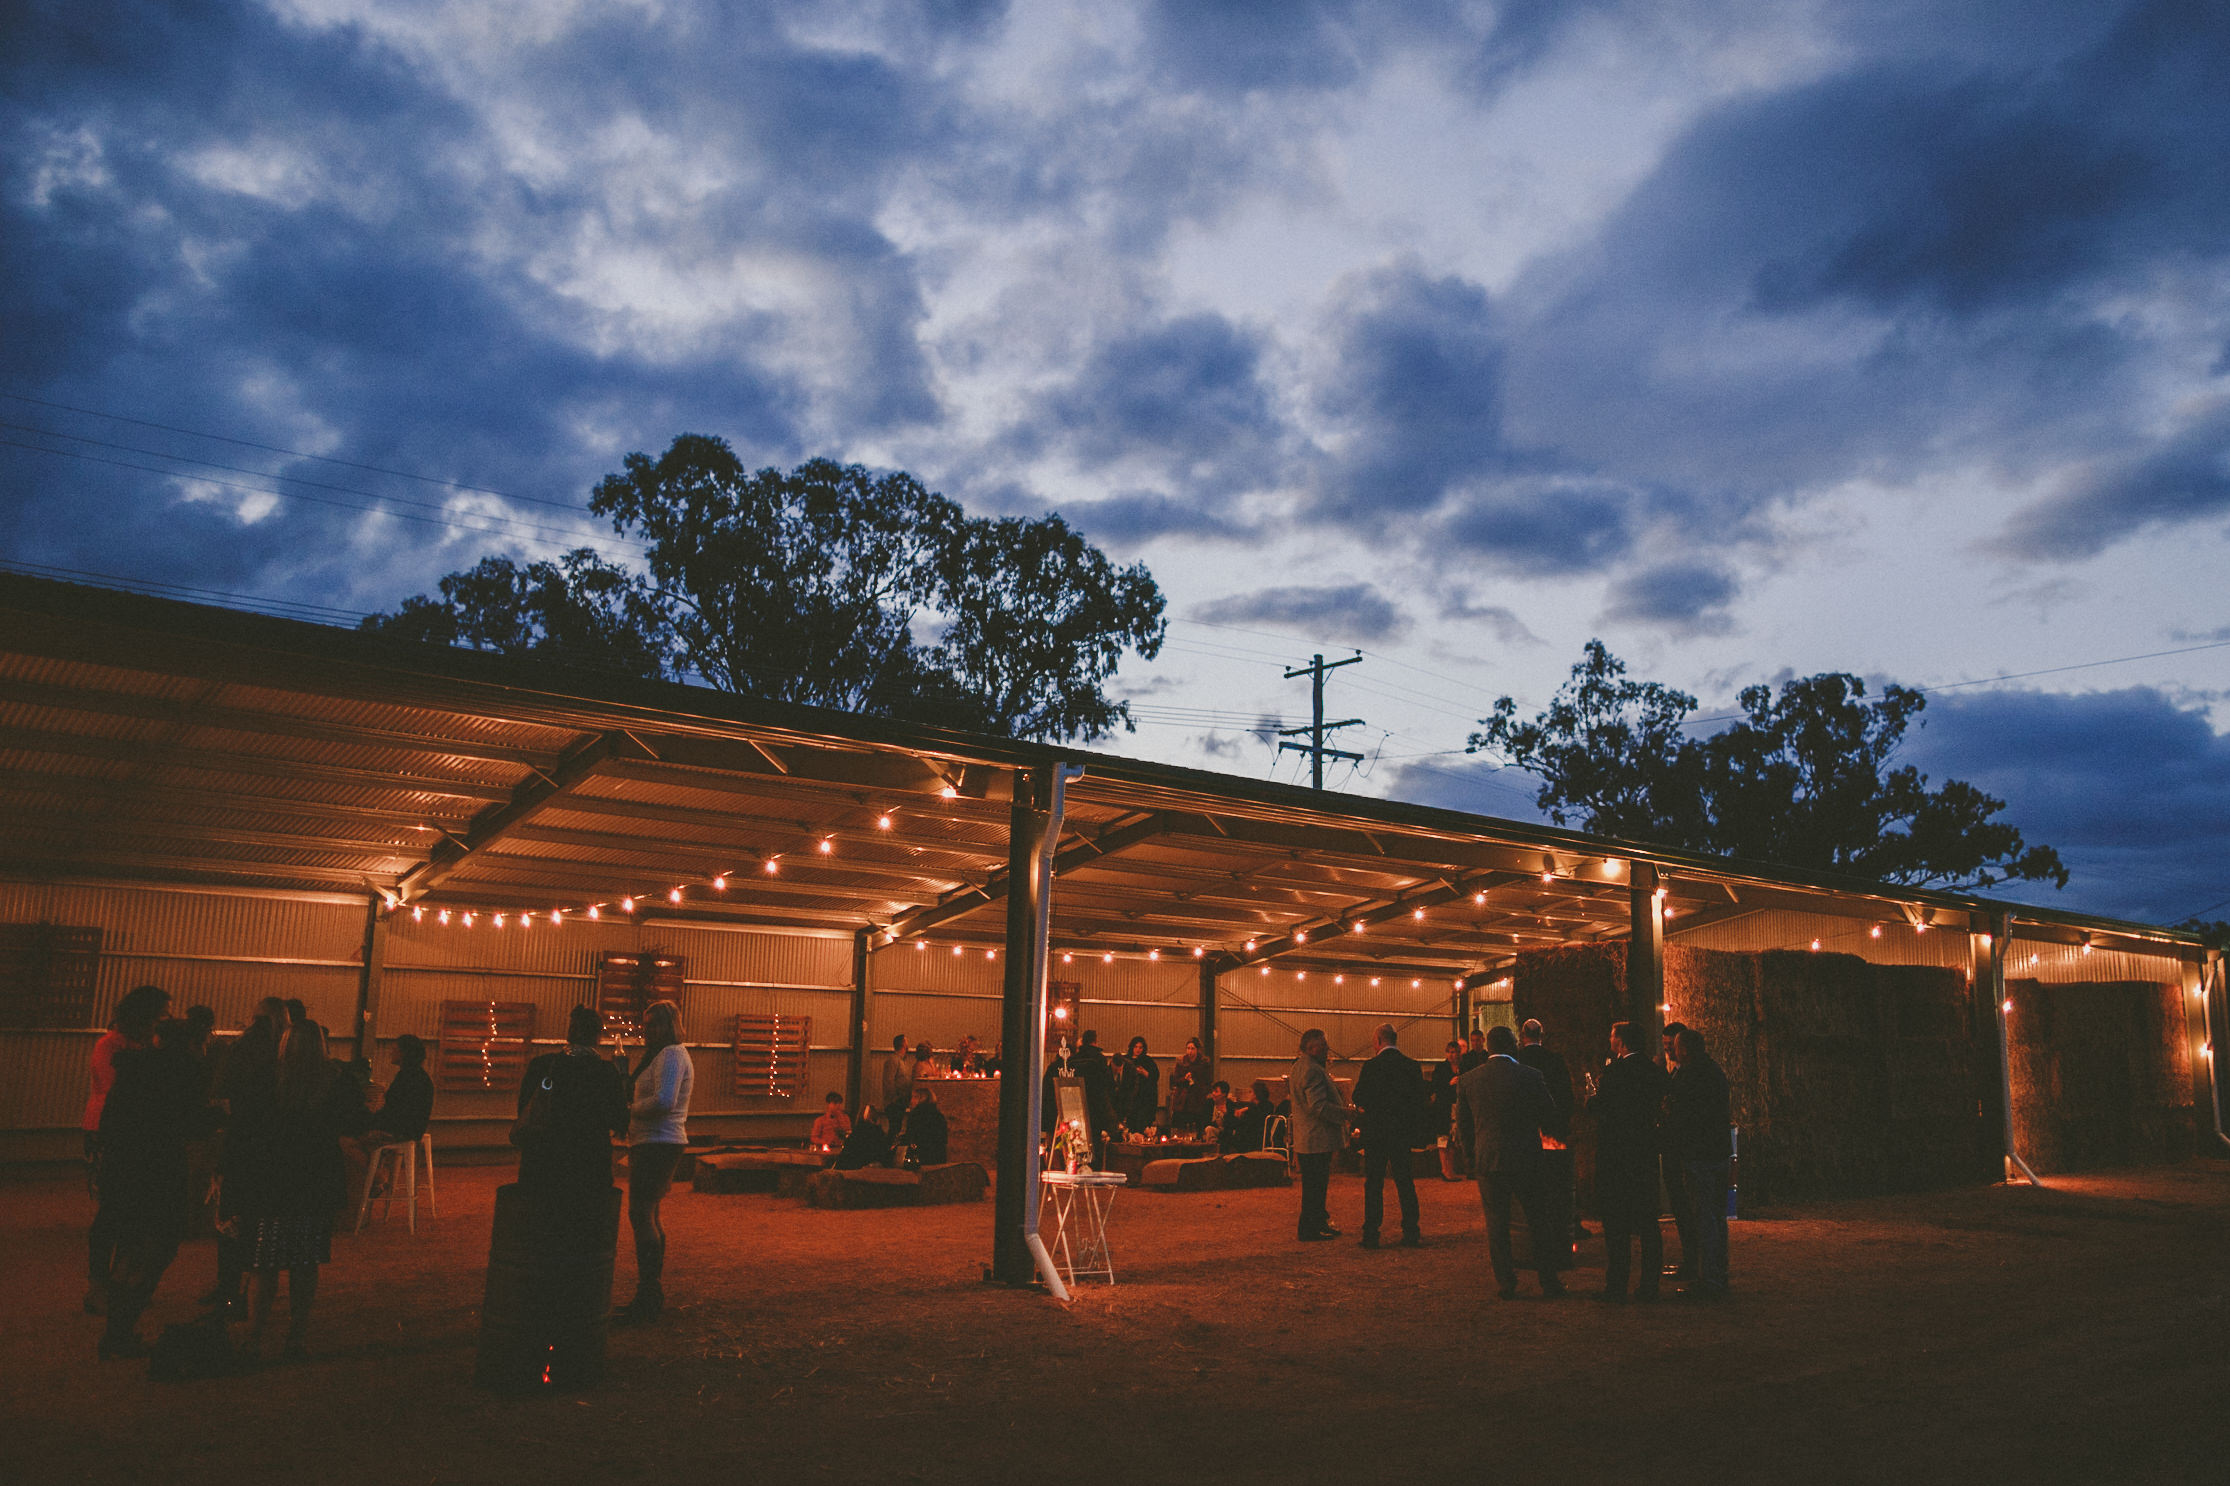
[1315,748]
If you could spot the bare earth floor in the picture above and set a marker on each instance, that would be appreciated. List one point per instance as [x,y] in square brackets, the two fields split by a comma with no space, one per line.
[2074,1334]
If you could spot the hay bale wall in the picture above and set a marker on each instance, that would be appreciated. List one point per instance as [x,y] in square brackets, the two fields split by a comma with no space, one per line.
[2101,1074]
[1846,1077]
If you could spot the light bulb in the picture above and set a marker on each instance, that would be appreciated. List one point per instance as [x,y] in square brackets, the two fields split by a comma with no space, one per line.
[1479,900]
[1153,954]
[2007,1006]
[991,954]
[442,916]
[827,846]
[921,944]
[1300,936]
[1198,952]
[1374,980]
[1815,944]
[1548,877]
[773,865]
[594,912]
[627,905]
[1250,946]
[949,792]
[673,895]
[1068,959]
[1413,985]
[956,951]
[882,823]
[499,920]
[1875,932]
[1354,928]
[1417,914]
[418,915]
[1339,980]
[556,917]
[720,883]
[1107,959]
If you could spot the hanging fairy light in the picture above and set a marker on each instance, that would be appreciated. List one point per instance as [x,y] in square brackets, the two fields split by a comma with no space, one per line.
[720,883]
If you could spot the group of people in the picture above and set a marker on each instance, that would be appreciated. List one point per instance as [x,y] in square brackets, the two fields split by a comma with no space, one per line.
[1508,1109]
[270,1131]
[1123,1095]
[904,1125]
[280,1116]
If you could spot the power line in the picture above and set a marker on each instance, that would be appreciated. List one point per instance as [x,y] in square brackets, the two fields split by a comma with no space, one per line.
[380,506]
[197,433]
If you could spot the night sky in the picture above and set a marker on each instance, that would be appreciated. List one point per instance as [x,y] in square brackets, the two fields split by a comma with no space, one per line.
[1758,339]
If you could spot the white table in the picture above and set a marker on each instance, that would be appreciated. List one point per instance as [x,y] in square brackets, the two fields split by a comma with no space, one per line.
[1079,1202]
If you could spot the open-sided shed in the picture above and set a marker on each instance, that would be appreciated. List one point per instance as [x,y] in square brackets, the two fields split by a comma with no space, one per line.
[233,806]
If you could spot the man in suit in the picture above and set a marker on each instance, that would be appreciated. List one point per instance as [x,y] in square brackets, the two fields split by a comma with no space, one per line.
[1627,1142]
[1698,1121]
[1390,1094]
[1320,1119]
[1671,1168]
[1501,1106]
[1557,1175]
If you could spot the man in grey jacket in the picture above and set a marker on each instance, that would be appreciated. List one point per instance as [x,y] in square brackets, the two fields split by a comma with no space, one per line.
[1320,1119]
[1501,1107]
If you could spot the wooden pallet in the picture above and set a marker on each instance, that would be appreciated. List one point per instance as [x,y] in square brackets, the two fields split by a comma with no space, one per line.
[47,974]
[771,1051]
[483,1045]
[627,983]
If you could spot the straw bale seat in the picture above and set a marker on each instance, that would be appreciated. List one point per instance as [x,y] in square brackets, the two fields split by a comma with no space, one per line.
[876,1186]
[753,1171]
[1217,1173]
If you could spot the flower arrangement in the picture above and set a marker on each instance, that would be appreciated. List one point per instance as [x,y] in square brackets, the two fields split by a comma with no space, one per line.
[1072,1146]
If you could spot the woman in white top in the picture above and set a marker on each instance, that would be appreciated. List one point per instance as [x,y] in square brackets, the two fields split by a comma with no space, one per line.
[657,1130]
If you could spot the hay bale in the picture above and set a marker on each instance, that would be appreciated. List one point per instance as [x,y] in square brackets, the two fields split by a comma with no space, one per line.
[1255,1169]
[955,1181]
[2101,1074]
[877,1186]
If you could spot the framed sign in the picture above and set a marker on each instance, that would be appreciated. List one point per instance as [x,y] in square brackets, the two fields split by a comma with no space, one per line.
[1069,1106]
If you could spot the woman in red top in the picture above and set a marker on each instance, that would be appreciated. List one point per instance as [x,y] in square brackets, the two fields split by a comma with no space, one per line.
[132,1026]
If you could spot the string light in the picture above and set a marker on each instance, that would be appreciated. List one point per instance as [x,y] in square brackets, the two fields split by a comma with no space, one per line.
[468,920]
[1548,877]
[1198,951]
[720,883]
[1815,944]
[2007,1006]
[949,793]
[827,846]
[1068,959]
[556,916]
[673,895]
[1355,928]
[956,951]
[1107,959]
[1339,980]
[1417,914]
[882,823]
[1153,954]
[1300,936]
[1875,932]
[774,865]
[1479,900]
[594,912]
[442,917]
[921,944]
[1374,980]
[991,954]
[418,914]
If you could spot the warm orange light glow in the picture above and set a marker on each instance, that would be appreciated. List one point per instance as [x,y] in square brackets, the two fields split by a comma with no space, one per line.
[1068,959]
[921,944]
[827,846]
[1250,946]
[1413,985]
[418,915]
[720,883]
[673,895]
[627,905]
[1198,952]
[1479,900]
[2008,1005]
[956,951]
[556,917]
[1815,944]
[774,865]
[443,916]
[1548,877]
[1339,980]
[1418,914]
[1354,928]
[949,792]
[1875,932]
[1374,980]
[594,912]
[499,920]
[882,823]
[1300,936]
[468,920]
[991,954]
[1107,959]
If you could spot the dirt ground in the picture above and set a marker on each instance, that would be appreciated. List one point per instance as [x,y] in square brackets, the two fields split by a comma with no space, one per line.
[2073,1334]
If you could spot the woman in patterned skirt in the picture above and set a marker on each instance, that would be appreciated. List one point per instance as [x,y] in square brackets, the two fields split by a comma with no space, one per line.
[295,1182]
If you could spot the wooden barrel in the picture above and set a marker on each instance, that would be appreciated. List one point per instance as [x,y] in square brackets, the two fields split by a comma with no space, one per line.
[549,1290]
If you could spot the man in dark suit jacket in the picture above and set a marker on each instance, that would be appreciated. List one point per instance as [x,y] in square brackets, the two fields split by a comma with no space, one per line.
[1557,1177]
[1390,1092]
[1625,1106]
[1501,1106]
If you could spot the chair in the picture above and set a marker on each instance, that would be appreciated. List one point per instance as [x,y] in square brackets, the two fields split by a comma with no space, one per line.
[1277,1136]
[403,1159]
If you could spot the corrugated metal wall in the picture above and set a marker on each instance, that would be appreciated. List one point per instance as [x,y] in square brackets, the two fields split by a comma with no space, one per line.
[803,973]
[1260,1017]
[225,951]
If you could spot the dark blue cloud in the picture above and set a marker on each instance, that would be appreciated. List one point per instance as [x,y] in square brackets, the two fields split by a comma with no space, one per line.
[1244,45]
[1688,597]
[1339,612]
[2186,477]
[2132,788]
[1416,381]
[1187,395]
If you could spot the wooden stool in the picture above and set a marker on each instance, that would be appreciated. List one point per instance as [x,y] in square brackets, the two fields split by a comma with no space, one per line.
[403,1158]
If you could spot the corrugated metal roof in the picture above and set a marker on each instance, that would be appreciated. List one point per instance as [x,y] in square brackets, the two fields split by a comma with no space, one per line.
[143,737]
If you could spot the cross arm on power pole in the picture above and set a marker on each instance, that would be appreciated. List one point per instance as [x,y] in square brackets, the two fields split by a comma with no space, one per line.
[1320,666]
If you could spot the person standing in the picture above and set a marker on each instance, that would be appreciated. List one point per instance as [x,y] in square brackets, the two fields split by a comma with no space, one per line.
[898,1080]
[571,1105]
[656,1135]
[1501,1106]
[151,1111]
[1627,1142]
[1475,1051]
[1670,1167]
[296,1182]
[1090,1063]
[130,1026]
[1188,1100]
[1390,1093]
[1558,1178]
[1700,1124]
[1137,1088]
[1320,1120]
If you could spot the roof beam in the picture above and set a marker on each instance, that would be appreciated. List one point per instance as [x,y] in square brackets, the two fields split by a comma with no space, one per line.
[269,724]
[186,797]
[218,761]
[968,899]
[1362,918]
[453,852]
